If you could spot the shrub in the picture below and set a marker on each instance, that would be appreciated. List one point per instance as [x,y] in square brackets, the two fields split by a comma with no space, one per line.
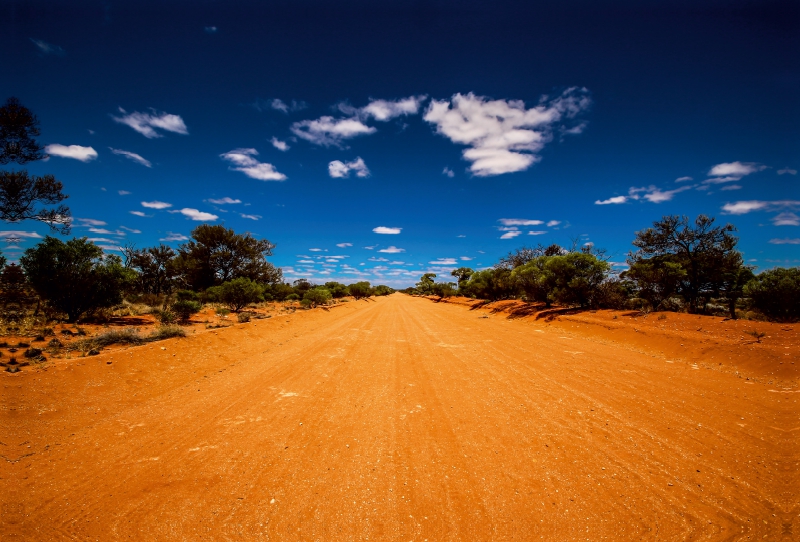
[222,311]
[305,303]
[238,293]
[187,295]
[243,317]
[125,336]
[166,332]
[165,317]
[360,289]
[32,353]
[317,296]
[292,297]
[185,308]
[776,293]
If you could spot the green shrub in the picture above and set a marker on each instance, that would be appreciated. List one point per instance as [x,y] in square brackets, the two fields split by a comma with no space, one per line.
[238,293]
[165,317]
[317,296]
[166,332]
[305,303]
[222,311]
[360,289]
[185,308]
[292,297]
[187,295]
[776,293]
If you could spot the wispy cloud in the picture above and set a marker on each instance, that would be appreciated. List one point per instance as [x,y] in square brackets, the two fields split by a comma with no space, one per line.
[344,245]
[392,250]
[520,222]
[156,204]
[147,123]
[250,217]
[224,201]
[387,231]
[553,223]
[138,213]
[744,207]
[338,169]
[76,152]
[503,135]
[123,192]
[104,231]
[280,145]
[172,237]
[785,241]
[444,261]
[465,258]
[384,110]
[786,219]
[615,200]
[81,222]
[211,29]
[683,179]
[510,234]
[449,172]
[130,230]
[650,193]
[20,234]
[279,105]
[732,171]
[537,232]
[194,214]
[48,48]
[787,170]
[242,160]
[328,131]
[132,156]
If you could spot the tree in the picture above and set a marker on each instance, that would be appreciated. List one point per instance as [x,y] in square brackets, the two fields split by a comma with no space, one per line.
[14,293]
[75,277]
[776,293]
[22,194]
[317,296]
[337,289]
[426,284]
[732,279]
[462,274]
[360,289]
[217,255]
[575,278]
[657,278]
[240,292]
[699,249]
[382,289]
[155,267]
[491,284]
[533,278]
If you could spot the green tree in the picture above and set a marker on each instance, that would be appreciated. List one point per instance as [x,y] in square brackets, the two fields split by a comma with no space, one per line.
[240,292]
[75,277]
[382,289]
[317,296]
[22,195]
[491,284]
[575,278]
[360,289]
[534,279]
[337,289]
[462,274]
[155,267]
[699,248]
[776,293]
[426,284]
[217,254]
[656,278]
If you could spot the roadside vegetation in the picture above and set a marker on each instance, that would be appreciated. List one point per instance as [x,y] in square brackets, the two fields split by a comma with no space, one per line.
[677,265]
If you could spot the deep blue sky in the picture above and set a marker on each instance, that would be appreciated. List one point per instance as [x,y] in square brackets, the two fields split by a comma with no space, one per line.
[629,100]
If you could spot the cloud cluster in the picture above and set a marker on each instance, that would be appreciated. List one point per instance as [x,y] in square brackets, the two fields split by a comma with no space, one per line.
[385,110]
[503,135]
[242,160]
[132,156]
[386,231]
[224,201]
[147,123]
[392,250]
[338,169]
[650,193]
[329,131]
[76,152]
[731,171]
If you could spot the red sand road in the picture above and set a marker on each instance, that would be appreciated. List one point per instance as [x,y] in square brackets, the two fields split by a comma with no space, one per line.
[395,419]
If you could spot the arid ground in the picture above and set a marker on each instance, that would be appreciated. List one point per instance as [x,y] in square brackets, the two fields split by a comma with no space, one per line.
[401,418]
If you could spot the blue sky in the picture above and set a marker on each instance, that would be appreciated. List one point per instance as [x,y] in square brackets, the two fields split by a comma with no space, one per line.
[378,142]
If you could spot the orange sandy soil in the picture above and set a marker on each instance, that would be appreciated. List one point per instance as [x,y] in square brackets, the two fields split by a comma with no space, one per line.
[401,418]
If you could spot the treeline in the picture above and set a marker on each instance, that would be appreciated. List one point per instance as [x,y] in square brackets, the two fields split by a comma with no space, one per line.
[677,265]
[75,279]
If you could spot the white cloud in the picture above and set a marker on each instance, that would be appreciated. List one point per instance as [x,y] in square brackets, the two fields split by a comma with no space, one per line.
[785,241]
[250,217]
[731,187]
[444,261]
[174,237]
[387,231]
[211,29]
[194,214]
[338,169]
[654,195]
[132,230]
[786,219]
[744,207]
[328,131]
[683,179]
[280,145]
[156,204]
[101,240]
[735,169]
[103,231]
[449,172]
[520,222]
[552,223]
[392,250]
[344,245]
[132,156]
[374,259]
[537,232]
[384,110]
[146,123]
[279,105]
[20,234]
[243,161]
[316,250]
[89,222]
[48,48]
[612,201]
[787,170]
[76,152]
[137,213]
[224,201]
[503,135]
[465,258]
[123,192]
[510,234]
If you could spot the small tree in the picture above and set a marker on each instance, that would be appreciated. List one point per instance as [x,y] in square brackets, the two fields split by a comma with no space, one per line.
[337,289]
[462,274]
[382,289]
[360,289]
[776,293]
[238,293]
[75,277]
[317,296]
[426,284]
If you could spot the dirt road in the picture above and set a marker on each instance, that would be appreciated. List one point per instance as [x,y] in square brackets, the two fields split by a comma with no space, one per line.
[394,419]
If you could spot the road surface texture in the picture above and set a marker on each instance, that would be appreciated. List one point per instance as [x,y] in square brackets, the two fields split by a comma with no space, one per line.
[394,419]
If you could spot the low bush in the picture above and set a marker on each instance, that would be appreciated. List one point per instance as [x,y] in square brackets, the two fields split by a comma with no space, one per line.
[124,336]
[185,308]
[243,317]
[166,332]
